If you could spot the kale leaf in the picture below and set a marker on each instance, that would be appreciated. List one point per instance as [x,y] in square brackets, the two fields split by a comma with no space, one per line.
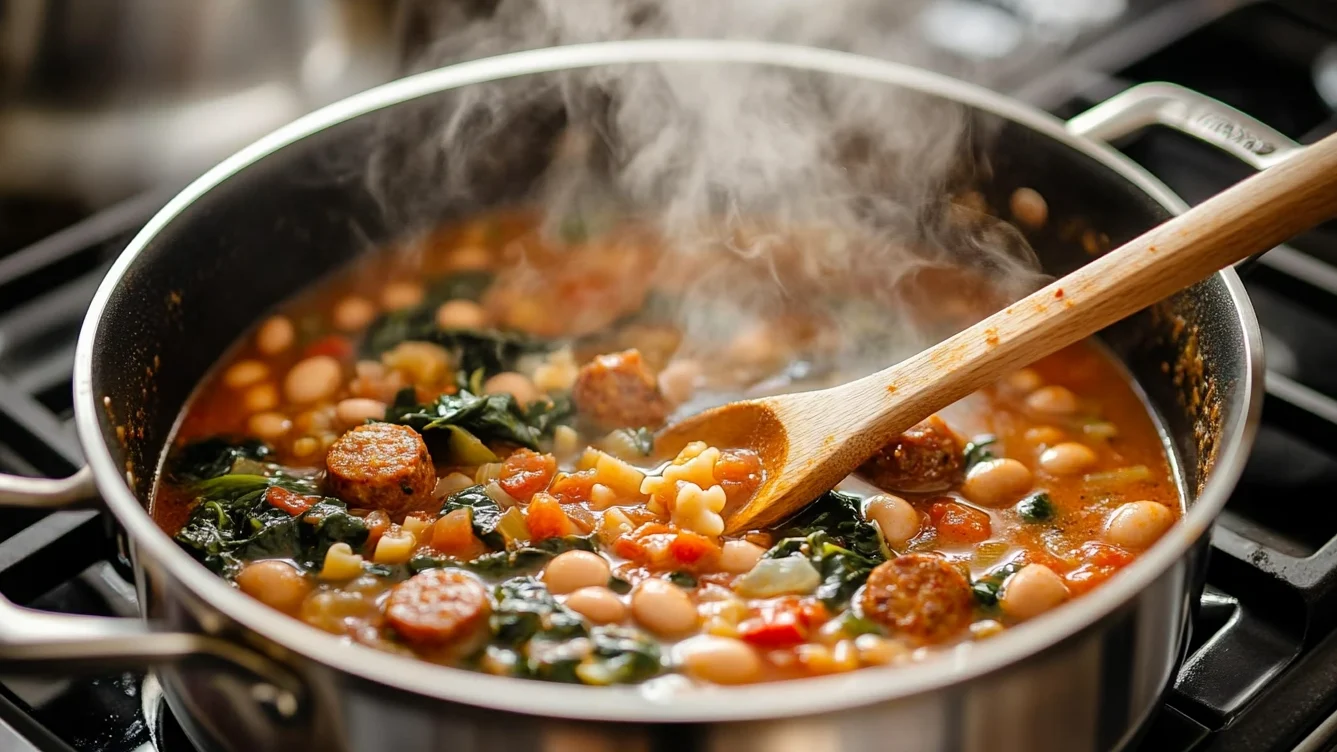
[212,457]
[840,515]
[987,587]
[491,417]
[979,450]
[232,523]
[842,546]
[525,609]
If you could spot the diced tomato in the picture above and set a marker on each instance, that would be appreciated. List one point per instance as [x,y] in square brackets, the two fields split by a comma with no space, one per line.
[739,473]
[333,345]
[378,522]
[570,488]
[546,518]
[691,549]
[781,631]
[289,501]
[453,535]
[958,523]
[1040,556]
[1099,563]
[525,473]
[629,548]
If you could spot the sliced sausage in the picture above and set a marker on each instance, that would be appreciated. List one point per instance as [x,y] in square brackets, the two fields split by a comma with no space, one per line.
[924,459]
[619,391]
[920,596]
[437,606]
[381,466]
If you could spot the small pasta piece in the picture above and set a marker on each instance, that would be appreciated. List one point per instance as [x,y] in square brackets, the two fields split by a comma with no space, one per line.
[395,549]
[602,497]
[340,563]
[698,509]
[417,526]
[565,441]
[622,478]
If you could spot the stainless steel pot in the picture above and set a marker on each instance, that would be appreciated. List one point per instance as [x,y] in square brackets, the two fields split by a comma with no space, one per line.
[1084,677]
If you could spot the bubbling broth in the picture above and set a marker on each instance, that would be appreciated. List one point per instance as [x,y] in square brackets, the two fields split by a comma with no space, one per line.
[446,451]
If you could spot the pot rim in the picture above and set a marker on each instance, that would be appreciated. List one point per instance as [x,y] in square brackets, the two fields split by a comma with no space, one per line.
[633,704]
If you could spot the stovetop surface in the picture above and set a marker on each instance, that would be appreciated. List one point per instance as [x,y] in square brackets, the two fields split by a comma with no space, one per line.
[1263,670]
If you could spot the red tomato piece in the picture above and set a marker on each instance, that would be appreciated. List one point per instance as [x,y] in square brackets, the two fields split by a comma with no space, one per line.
[525,473]
[691,549]
[572,488]
[333,345]
[782,630]
[546,519]
[1099,563]
[958,523]
[289,501]
[739,473]
[453,535]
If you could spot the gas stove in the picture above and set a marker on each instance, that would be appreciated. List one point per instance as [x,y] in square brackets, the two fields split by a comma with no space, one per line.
[1262,668]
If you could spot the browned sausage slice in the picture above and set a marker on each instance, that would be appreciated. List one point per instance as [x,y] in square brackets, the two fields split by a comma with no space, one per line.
[381,466]
[925,459]
[920,596]
[437,606]
[619,391]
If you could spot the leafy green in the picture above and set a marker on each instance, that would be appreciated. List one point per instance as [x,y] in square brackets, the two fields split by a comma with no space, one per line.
[525,609]
[683,580]
[490,351]
[986,588]
[1037,507]
[840,544]
[232,523]
[619,585]
[620,656]
[484,513]
[508,563]
[644,439]
[978,450]
[212,457]
[491,417]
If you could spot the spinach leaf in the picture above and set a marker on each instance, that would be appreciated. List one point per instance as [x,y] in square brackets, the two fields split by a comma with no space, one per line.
[978,450]
[232,523]
[525,609]
[986,588]
[212,457]
[683,580]
[490,351]
[492,417]
[839,515]
[484,513]
[619,656]
[1037,507]
[841,545]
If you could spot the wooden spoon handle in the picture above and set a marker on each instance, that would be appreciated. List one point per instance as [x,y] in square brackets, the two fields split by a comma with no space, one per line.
[1250,217]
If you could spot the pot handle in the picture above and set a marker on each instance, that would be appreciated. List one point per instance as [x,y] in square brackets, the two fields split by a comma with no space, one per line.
[1185,110]
[41,642]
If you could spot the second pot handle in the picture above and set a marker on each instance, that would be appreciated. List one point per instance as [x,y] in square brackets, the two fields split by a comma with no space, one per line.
[1187,111]
[41,641]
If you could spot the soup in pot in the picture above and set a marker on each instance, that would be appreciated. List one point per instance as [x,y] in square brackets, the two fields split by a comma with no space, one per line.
[448,453]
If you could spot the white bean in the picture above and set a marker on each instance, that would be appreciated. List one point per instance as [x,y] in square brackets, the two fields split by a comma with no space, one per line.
[461,314]
[662,607]
[739,556]
[1033,590]
[1067,458]
[898,521]
[1029,207]
[1138,524]
[678,380]
[470,258]
[353,313]
[996,482]
[357,410]
[598,604]
[268,426]
[245,373]
[1055,400]
[313,380]
[397,295]
[275,335]
[275,583]
[260,398]
[574,570]
[515,384]
[721,660]
[1024,381]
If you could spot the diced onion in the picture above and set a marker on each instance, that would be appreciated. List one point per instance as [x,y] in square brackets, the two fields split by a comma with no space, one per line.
[792,575]
[1120,477]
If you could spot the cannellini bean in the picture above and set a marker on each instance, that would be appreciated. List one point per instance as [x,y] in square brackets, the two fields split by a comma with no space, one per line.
[276,584]
[515,384]
[678,380]
[574,570]
[260,398]
[461,314]
[275,335]
[662,607]
[598,604]
[739,556]
[353,313]
[268,426]
[1067,458]
[1045,436]
[1138,524]
[357,410]
[313,380]
[1029,207]
[996,482]
[1031,591]
[470,258]
[306,446]
[1025,380]
[422,362]
[721,660]
[245,373]
[398,295]
[1055,400]
[898,521]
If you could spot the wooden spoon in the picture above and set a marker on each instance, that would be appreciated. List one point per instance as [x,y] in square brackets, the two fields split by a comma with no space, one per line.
[809,441]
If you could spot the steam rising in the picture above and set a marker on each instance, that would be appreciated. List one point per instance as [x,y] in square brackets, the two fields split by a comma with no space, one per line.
[774,190]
